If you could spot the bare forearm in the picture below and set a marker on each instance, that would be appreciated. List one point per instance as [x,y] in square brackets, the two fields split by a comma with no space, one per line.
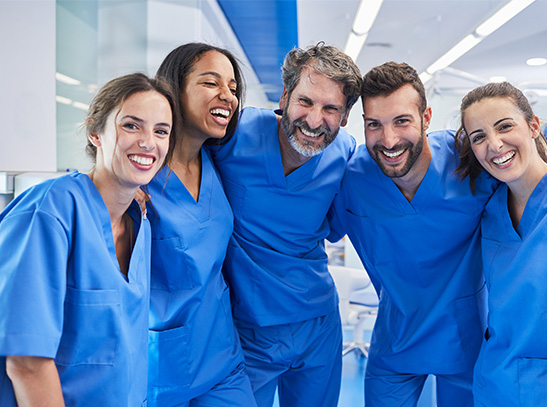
[35,381]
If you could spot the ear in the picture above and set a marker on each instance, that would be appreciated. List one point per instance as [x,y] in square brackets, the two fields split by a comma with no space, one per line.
[535,127]
[283,99]
[344,120]
[427,117]
[95,139]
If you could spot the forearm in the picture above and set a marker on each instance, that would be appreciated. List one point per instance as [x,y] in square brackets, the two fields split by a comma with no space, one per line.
[35,381]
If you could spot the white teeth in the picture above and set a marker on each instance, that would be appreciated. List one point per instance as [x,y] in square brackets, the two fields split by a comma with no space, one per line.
[504,158]
[308,133]
[141,160]
[221,112]
[393,154]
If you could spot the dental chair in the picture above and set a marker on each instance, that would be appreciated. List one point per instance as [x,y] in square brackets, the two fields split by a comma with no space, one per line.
[358,306]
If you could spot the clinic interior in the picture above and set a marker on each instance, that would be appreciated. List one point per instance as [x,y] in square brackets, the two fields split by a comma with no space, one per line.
[56,54]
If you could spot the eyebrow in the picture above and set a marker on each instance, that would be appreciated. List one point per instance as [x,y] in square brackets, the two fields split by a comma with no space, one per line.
[406,115]
[216,75]
[495,124]
[137,119]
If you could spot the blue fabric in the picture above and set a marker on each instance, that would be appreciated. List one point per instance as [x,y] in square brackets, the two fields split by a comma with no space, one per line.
[62,294]
[193,341]
[423,258]
[303,359]
[512,366]
[276,264]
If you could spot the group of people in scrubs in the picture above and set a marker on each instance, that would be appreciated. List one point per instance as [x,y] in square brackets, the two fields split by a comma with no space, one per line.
[213,289]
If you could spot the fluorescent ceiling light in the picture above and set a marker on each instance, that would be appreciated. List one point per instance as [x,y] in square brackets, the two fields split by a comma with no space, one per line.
[63,100]
[355,44]
[454,53]
[536,61]
[66,79]
[366,14]
[505,14]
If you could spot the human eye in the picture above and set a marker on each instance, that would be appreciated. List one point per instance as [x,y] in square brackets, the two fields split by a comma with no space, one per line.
[306,101]
[373,125]
[505,127]
[130,126]
[477,138]
[332,109]
[162,132]
[402,121]
[234,91]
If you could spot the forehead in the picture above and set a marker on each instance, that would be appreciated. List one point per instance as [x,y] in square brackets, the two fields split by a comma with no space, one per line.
[404,101]
[213,61]
[487,112]
[319,88]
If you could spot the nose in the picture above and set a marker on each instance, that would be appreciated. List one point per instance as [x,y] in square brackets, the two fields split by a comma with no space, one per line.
[315,118]
[495,143]
[389,137]
[146,140]
[227,95]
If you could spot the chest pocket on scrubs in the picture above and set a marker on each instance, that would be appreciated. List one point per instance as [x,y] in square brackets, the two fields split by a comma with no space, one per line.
[92,326]
[169,266]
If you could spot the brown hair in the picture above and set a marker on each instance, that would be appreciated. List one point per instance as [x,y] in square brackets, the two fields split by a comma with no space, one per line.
[469,166]
[385,79]
[113,94]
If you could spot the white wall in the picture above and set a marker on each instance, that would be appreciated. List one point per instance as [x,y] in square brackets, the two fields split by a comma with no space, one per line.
[27,84]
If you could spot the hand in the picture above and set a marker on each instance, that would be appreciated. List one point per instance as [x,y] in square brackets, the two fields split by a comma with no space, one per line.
[142,197]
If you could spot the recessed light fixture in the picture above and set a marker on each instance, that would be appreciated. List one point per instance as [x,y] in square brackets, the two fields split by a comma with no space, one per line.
[536,61]
[498,79]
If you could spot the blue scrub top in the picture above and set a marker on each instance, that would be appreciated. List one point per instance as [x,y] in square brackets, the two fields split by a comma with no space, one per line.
[276,263]
[423,258]
[512,366]
[193,342]
[62,294]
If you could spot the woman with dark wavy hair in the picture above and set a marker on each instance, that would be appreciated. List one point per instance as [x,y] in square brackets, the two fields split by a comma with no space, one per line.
[195,354]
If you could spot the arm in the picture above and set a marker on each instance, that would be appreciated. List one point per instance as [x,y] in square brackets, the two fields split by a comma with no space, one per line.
[35,381]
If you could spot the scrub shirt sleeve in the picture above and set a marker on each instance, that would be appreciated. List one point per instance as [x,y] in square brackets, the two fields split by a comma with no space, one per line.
[34,249]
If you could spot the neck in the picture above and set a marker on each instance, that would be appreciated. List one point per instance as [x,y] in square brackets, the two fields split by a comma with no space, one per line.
[116,197]
[290,158]
[409,184]
[521,190]
[188,152]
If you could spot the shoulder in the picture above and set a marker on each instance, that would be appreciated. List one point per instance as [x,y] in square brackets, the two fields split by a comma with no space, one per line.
[55,197]
[255,116]
[444,141]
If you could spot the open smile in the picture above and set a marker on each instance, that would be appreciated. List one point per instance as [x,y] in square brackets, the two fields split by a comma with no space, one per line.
[505,159]
[142,161]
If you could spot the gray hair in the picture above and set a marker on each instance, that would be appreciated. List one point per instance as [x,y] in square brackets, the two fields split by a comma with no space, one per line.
[325,60]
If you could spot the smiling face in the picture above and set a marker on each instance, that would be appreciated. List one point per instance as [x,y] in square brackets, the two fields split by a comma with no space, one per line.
[208,99]
[395,132]
[313,112]
[502,141]
[135,139]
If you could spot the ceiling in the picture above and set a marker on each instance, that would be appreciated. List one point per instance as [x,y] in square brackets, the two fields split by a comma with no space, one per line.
[414,31]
